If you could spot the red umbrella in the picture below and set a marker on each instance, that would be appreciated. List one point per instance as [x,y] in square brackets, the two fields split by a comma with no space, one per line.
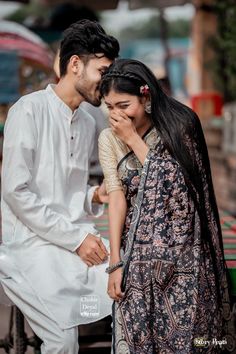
[27,50]
[15,37]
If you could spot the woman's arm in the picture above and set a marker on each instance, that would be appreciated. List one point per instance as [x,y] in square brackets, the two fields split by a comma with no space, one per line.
[117,208]
[117,202]
[139,147]
[116,213]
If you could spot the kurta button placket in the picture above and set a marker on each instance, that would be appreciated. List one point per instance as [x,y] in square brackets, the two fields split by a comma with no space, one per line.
[72,138]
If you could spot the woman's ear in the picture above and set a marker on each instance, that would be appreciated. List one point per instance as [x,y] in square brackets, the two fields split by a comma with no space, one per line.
[76,65]
[146,102]
[145,99]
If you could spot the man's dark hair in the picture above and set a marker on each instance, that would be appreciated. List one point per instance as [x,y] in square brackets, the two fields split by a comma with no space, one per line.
[84,38]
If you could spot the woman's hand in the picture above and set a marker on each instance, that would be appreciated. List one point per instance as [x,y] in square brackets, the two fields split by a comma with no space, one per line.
[114,285]
[122,126]
[124,129]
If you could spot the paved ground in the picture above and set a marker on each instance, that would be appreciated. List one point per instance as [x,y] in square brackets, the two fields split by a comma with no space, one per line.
[101,344]
[95,338]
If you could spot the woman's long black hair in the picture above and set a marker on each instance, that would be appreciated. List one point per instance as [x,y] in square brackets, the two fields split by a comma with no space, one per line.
[179,128]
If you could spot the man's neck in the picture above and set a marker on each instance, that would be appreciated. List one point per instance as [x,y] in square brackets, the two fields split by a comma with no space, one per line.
[66,92]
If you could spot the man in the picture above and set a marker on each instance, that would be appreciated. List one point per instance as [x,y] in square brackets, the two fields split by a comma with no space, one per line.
[52,261]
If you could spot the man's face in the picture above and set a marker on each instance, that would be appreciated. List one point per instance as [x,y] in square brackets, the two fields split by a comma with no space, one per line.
[88,82]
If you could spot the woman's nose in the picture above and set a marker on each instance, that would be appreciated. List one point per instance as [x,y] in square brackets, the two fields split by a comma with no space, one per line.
[118,110]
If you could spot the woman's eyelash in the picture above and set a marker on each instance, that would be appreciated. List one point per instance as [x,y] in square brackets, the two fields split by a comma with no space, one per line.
[120,106]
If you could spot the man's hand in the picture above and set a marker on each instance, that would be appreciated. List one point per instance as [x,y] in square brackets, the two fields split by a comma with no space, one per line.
[92,250]
[100,194]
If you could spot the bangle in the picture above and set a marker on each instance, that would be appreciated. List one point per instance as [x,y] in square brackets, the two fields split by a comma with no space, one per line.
[114,267]
[96,198]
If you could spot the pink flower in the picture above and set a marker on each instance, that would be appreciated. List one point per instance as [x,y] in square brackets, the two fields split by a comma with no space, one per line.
[144,90]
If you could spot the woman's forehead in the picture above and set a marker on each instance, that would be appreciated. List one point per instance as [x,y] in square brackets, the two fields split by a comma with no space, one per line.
[115,97]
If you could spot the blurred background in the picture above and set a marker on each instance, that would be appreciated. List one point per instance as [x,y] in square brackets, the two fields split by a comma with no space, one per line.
[190,46]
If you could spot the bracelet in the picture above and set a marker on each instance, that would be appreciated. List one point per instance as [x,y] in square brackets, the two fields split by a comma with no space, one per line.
[114,267]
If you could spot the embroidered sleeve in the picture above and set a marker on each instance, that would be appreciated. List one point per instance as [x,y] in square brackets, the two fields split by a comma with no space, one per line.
[108,161]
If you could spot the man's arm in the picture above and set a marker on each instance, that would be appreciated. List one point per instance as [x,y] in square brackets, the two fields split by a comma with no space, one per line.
[20,143]
[96,195]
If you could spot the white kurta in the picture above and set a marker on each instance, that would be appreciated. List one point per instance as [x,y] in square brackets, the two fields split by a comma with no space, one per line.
[45,203]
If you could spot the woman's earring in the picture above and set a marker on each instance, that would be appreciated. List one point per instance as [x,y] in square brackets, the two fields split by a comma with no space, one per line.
[148,108]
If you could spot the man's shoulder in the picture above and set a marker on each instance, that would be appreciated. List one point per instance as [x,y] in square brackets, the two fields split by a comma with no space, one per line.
[33,99]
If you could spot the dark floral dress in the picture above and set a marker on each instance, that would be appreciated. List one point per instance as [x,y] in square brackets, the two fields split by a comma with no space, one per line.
[171,285]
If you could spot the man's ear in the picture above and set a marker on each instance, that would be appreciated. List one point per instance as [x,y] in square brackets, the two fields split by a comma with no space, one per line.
[76,64]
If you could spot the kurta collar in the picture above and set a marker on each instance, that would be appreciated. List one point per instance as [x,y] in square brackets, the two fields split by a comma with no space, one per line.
[61,104]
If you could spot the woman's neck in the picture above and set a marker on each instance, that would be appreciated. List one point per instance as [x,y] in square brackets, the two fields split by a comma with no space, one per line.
[142,130]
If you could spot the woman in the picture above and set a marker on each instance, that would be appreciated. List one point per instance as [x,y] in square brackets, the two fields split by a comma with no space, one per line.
[170,285]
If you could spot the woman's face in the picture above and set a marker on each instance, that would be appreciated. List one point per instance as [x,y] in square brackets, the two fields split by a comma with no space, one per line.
[132,106]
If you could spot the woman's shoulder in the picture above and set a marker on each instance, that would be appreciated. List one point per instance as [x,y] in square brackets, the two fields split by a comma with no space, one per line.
[105,134]
[106,137]
[109,141]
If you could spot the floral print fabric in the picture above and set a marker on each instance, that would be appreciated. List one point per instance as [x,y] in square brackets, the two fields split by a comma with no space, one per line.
[170,289]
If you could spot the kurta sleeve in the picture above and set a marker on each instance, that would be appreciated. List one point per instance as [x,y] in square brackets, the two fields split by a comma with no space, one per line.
[91,208]
[19,148]
[108,161]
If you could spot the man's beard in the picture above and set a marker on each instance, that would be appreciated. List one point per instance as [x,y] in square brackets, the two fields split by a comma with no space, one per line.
[94,100]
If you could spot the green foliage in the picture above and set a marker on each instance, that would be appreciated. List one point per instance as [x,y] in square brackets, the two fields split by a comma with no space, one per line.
[151,29]
[179,28]
[32,9]
[224,44]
